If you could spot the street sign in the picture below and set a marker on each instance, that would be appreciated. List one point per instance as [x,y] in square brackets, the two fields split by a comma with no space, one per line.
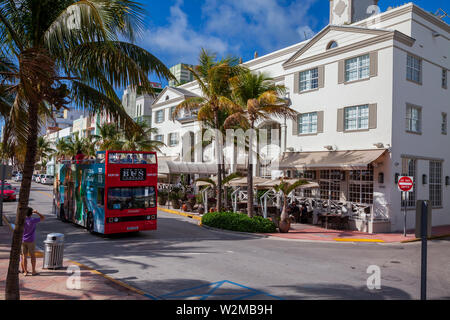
[406,184]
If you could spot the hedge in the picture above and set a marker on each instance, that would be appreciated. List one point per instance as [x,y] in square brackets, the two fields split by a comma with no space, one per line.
[238,222]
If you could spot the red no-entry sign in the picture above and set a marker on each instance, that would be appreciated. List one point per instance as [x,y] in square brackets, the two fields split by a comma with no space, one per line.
[406,184]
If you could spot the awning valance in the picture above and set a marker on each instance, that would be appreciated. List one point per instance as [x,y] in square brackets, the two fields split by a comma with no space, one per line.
[171,167]
[337,160]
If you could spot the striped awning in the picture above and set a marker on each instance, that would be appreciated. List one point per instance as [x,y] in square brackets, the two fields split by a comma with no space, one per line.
[337,160]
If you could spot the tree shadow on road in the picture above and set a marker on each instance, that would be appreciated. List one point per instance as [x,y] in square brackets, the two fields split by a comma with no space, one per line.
[344,292]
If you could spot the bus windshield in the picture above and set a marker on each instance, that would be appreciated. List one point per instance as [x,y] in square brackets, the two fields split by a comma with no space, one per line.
[131,198]
[132,158]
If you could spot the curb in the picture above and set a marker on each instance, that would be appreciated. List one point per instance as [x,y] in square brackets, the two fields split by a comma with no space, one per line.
[187,215]
[429,238]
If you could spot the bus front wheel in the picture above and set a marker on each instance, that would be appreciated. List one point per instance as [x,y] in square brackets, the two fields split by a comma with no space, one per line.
[90,222]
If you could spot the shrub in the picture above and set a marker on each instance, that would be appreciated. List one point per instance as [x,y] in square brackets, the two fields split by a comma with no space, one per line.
[238,222]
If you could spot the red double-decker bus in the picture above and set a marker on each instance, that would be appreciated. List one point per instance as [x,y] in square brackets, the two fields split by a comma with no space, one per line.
[115,193]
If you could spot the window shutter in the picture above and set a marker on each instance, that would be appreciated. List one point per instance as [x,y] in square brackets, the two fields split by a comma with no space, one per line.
[295,126]
[320,122]
[296,82]
[321,72]
[374,64]
[340,120]
[373,116]
[341,71]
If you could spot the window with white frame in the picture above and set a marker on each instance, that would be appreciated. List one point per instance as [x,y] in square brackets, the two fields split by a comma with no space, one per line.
[444,123]
[159,116]
[444,78]
[414,119]
[171,111]
[307,123]
[361,186]
[357,68]
[414,69]
[173,139]
[330,184]
[159,137]
[309,79]
[356,118]
[436,183]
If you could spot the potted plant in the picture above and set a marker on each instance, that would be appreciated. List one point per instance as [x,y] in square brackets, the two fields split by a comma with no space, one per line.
[162,197]
[174,198]
[286,188]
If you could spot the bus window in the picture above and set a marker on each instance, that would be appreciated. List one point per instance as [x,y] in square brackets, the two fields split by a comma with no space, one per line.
[101,196]
[131,198]
[114,158]
[146,158]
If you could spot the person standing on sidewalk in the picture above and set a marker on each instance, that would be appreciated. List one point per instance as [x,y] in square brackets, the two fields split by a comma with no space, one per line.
[28,240]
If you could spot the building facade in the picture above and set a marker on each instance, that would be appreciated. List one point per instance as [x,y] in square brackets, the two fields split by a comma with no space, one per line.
[182,74]
[372,97]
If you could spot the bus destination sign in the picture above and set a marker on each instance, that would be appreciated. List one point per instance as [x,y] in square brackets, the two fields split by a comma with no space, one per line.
[133,174]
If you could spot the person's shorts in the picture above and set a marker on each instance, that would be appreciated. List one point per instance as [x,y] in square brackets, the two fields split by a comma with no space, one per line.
[28,248]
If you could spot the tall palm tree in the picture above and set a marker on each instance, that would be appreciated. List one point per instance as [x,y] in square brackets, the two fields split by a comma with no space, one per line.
[60,51]
[44,148]
[255,98]
[141,140]
[212,76]
[61,148]
[108,137]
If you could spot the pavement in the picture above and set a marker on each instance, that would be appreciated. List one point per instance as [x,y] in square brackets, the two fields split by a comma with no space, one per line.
[308,232]
[181,260]
[57,284]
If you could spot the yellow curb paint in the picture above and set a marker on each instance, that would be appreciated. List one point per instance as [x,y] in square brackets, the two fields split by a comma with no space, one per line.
[181,214]
[358,240]
[120,283]
[429,238]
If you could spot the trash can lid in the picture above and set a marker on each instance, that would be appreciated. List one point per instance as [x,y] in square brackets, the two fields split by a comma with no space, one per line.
[59,237]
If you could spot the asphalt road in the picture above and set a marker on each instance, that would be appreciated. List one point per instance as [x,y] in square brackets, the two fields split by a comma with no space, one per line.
[184,261]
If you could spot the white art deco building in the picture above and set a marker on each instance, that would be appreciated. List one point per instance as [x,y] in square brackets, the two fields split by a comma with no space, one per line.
[372,97]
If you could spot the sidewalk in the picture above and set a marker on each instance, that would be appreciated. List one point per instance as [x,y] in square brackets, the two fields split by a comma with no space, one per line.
[51,284]
[310,232]
[315,233]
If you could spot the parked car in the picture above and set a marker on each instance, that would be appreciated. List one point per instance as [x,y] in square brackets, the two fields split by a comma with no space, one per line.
[18,177]
[35,176]
[47,179]
[9,192]
[42,176]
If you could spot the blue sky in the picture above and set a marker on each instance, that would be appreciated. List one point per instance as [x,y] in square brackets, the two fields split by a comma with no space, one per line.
[178,29]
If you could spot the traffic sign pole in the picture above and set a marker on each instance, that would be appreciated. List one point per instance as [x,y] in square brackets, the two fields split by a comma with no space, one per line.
[405,185]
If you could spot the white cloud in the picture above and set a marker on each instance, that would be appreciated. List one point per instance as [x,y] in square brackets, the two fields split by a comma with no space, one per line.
[228,26]
[266,23]
[180,41]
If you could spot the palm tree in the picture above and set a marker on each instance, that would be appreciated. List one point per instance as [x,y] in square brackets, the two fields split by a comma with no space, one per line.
[212,76]
[108,137]
[43,149]
[254,98]
[60,51]
[140,140]
[286,188]
[61,148]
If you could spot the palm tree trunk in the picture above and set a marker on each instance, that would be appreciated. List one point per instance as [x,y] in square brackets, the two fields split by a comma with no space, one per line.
[12,290]
[219,165]
[250,195]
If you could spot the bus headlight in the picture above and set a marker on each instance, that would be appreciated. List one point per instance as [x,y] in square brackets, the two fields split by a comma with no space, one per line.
[116,219]
[149,217]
